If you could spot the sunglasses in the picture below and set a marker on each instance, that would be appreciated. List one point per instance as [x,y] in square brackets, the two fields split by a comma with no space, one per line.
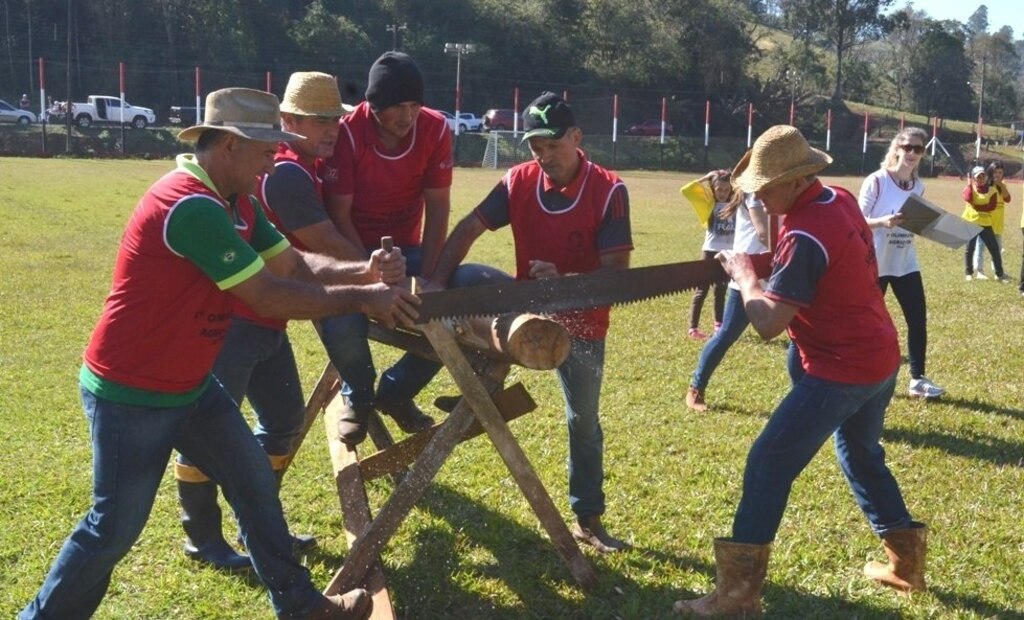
[912,148]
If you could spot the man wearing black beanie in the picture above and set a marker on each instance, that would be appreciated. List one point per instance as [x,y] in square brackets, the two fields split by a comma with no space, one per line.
[390,175]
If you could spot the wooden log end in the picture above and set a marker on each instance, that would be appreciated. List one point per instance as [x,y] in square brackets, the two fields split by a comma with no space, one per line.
[534,341]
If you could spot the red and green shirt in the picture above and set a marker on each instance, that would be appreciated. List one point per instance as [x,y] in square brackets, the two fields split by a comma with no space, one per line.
[165,318]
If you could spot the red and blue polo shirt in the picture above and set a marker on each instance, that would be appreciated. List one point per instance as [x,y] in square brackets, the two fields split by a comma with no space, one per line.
[825,265]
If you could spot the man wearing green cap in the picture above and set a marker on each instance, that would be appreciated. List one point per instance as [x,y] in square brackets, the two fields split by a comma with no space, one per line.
[568,215]
[197,241]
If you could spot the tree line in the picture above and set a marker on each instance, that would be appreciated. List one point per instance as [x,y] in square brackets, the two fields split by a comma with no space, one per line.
[769,52]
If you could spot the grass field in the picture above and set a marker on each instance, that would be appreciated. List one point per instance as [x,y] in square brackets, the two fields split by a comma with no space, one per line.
[472,548]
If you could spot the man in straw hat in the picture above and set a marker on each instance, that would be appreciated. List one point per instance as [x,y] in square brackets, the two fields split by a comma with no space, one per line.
[823,289]
[256,359]
[390,175]
[197,241]
[567,215]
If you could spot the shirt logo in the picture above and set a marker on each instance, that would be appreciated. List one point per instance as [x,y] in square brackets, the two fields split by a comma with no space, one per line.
[228,258]
[541,113]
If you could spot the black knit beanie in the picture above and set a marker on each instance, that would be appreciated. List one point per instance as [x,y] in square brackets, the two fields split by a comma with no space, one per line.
[394,78]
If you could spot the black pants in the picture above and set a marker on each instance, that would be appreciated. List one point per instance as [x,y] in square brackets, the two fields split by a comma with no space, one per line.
[989,239]
[698,298]
[909,291]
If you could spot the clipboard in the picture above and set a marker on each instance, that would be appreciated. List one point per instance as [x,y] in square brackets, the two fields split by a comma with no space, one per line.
[930,221]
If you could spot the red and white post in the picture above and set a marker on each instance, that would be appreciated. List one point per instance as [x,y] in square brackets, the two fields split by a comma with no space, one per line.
[664,117]
[750,124]
[707,122]
[199,118]
[828,129]
[615,117]
[515,113]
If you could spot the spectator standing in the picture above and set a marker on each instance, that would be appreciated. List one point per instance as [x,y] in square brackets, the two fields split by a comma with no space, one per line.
[881,198]
[995,176]
[823,289]
[751,237]
[710,196]
[980,199]
[567,215]
[390,175]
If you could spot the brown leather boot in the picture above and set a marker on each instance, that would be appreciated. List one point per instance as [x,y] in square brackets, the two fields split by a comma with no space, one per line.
[352,605]
[906,550]
[695,400]
[589,531]
[741,569]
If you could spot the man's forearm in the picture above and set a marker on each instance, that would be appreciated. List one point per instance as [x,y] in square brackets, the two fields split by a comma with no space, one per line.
[327,270]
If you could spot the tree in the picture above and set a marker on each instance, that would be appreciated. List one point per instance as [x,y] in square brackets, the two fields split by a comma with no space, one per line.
[838,24]
[940,71]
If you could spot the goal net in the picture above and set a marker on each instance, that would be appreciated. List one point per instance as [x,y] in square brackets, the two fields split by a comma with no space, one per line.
[504,150]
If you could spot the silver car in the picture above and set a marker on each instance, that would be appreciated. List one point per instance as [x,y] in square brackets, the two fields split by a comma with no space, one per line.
[11,114]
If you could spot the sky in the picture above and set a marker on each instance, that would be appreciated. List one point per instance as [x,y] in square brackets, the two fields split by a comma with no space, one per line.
[1000,12]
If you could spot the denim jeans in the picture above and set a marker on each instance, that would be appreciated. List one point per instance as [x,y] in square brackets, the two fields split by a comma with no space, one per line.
[580,377]
[257,362]
[345,339]
[909,291]
[734,322]
[813,410]
[131,447]
[989,239]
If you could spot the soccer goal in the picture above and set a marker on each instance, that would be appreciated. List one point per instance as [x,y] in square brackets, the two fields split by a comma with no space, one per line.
[504,150]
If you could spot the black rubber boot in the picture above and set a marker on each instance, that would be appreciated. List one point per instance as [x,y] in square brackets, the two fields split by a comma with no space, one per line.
[201,519]
[300,542]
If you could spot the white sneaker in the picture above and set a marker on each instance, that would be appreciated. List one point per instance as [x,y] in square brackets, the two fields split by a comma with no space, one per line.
[969,277]
[924,388]
[1003,278]
[980,275]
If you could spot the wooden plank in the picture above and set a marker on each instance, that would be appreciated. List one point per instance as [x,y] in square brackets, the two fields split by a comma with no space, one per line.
[326,388]
[515,459]
[513,402]
[355,509]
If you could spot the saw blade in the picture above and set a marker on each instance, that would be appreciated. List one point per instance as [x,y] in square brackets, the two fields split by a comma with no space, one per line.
[607,287]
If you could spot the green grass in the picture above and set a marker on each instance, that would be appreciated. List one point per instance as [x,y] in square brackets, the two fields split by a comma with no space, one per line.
[472,548]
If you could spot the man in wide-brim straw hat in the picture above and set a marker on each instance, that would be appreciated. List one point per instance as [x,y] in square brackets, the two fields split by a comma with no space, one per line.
[257,358]
[823,288]
[197,242]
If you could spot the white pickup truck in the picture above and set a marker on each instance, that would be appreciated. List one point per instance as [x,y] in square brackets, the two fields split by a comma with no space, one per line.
[103,110]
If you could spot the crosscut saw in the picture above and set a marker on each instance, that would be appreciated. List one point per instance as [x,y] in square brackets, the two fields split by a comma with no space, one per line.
[607,287]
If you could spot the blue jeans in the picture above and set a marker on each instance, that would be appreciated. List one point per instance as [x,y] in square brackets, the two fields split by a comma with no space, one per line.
[257,362]
[734,322]
[813,410]
[131,447]
[580,377]
[345,339]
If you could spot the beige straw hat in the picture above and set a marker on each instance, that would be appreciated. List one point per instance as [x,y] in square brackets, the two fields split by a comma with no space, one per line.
[252,114]
[780,154]
[311,93]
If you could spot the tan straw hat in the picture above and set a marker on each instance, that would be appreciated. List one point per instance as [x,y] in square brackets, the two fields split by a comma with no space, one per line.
[252,114]
[780,154]
[311,93]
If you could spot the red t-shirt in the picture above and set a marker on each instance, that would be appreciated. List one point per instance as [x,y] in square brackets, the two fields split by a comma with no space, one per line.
[825,265]
[387,186]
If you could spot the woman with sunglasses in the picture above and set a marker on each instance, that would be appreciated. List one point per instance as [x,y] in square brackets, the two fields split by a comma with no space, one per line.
[881,197]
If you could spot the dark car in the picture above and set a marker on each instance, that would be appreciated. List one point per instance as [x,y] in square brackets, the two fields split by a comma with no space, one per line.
[650,127]
[500,120]
[184,115]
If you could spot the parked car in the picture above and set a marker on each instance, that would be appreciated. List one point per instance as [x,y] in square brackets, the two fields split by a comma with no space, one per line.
[11,114]
[101,109]
[650,127]
[184,115]
[467,121]
[500,120]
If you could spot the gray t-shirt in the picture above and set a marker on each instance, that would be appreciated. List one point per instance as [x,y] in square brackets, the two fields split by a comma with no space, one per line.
[291,192]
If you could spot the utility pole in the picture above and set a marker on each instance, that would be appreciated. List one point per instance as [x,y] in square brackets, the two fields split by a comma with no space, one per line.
[394,29]
[459,49]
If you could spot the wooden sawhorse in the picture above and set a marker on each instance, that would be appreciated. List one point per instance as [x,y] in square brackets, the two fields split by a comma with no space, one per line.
[484,407]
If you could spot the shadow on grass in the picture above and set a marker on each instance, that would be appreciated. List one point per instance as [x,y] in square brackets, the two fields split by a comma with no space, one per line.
[490,567]
[981,407]
[965,444]
[982,608]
